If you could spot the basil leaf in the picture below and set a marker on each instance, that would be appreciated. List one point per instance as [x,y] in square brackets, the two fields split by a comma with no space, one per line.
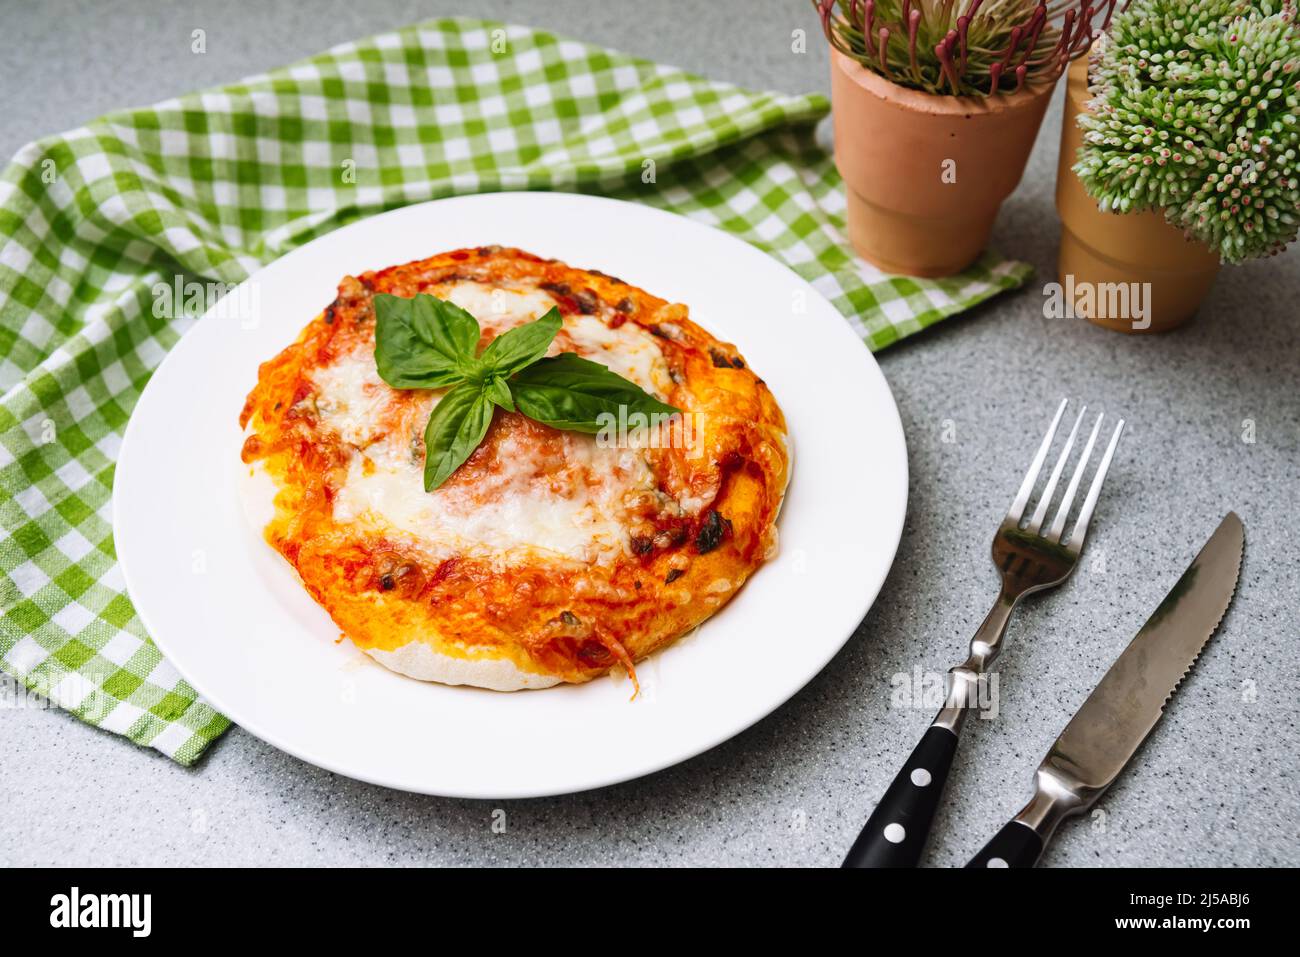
[495,388]
[423,342]
[523,345]
[457,426]
[427,343]
[570,392]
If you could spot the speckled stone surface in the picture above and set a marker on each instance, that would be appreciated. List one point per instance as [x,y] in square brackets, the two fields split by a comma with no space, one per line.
[1215,784]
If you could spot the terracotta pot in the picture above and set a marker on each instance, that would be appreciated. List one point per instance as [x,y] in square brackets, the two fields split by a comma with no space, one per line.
[1102,251]
[893,146]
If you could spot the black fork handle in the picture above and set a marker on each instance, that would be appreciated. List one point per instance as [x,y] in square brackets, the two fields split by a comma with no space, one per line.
[895,833]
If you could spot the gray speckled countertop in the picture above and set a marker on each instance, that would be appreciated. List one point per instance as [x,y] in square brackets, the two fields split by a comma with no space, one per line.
[1216,784]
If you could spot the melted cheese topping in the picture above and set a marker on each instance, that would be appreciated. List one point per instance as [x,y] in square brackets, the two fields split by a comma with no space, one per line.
[509,515]
[498,308]
[351,398]
[533,489]
[628,350]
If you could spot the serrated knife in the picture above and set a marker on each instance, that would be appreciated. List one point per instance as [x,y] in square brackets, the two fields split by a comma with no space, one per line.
[1121,711]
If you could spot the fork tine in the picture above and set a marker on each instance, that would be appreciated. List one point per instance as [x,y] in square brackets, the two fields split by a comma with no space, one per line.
[1058,523]
[1094,491]
[1027,486]
[1040,512]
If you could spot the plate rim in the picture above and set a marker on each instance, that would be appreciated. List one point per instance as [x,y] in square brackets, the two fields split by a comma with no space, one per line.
[307,754]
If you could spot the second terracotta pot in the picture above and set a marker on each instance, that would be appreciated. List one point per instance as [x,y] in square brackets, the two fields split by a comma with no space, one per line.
[1130,272]
[926,174]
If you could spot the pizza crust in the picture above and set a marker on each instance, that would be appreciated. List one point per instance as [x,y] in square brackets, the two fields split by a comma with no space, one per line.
[416,659]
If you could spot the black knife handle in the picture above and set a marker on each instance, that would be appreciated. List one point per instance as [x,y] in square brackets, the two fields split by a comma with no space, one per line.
[1016,845]
[896,831]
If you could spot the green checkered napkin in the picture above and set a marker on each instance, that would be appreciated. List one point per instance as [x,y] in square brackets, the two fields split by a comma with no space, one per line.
[217,184]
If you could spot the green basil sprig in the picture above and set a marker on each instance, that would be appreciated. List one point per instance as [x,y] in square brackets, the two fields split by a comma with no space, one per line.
[429,343]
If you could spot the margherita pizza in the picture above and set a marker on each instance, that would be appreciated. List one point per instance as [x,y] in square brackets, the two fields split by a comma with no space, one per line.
[548,556]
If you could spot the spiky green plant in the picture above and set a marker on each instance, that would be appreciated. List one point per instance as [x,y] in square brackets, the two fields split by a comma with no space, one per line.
[964,47]
[1194,113]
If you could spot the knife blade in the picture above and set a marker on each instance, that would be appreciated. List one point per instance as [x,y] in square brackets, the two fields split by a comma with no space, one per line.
[1118,716]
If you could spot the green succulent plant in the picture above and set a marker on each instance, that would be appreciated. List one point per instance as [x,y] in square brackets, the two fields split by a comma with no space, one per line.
[1194,112]
[963,47]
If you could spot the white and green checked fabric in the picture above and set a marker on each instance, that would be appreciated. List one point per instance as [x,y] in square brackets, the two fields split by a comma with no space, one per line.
[214,185]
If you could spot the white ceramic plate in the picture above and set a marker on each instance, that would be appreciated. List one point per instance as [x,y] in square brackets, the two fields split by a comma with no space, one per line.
[229,613]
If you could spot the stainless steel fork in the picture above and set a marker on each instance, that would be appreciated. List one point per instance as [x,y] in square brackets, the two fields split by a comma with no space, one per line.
[1029,560]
